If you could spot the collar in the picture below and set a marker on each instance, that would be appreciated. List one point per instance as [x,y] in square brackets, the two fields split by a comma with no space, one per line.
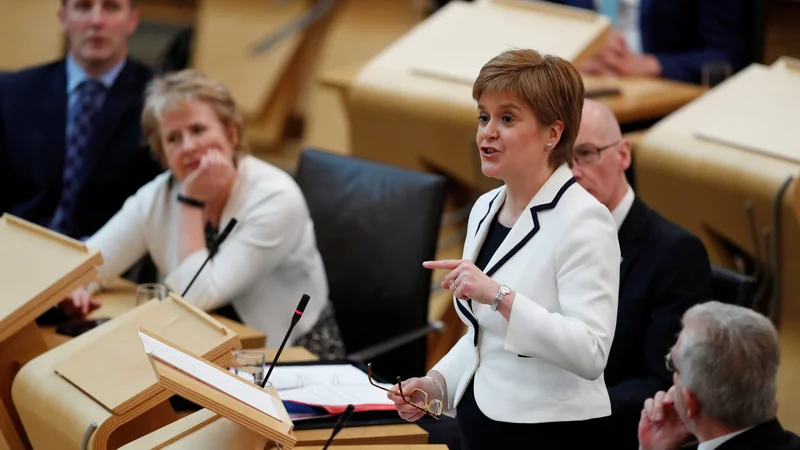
[621,211]
[76,75]
[716,442]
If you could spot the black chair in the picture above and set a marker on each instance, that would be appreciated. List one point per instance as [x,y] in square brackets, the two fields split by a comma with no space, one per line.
[375,225]
[732,287]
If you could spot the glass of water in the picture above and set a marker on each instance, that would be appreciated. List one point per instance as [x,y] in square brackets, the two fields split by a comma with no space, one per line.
[715,72]
[250,365]
[148,291]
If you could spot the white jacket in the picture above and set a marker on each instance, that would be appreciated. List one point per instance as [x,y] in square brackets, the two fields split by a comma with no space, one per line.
[264,267]
[546,364]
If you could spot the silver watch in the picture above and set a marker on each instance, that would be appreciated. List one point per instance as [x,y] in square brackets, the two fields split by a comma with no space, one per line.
[502,291]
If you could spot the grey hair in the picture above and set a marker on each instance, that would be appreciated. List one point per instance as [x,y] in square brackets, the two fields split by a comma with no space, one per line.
[728,358]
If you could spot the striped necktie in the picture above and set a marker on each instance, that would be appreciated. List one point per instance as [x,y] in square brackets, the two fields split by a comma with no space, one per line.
[90,96]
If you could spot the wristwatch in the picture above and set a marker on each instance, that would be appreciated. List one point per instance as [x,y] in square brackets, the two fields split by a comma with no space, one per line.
[502,291]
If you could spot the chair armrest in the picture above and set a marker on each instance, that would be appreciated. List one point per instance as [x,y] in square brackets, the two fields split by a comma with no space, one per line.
[369,353]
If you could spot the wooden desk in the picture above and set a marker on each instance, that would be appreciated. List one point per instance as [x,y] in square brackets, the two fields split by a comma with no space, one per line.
[204,427]
[704,185]
[438,116]
[120,298]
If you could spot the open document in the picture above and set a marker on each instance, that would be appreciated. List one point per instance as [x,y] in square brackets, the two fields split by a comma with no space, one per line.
[326,389]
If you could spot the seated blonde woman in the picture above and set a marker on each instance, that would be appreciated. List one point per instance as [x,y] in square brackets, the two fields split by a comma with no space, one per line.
[269,260]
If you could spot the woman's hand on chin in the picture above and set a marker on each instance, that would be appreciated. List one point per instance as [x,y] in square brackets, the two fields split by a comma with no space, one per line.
[214,177]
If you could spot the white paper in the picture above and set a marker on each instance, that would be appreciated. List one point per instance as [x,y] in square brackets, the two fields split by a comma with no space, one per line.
[339,395]
[237,388]
[291,377]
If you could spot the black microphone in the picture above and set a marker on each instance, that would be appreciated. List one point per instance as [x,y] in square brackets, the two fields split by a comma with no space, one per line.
[220,239]
[340,424]
[296,318]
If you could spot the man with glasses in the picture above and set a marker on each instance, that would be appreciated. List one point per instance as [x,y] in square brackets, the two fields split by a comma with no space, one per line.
[664,271]
[724,368]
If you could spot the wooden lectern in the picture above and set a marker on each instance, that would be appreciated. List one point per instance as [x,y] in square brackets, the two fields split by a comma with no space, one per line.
[99,388]
[734,147]
[38,268]
[411,105]
[250,406]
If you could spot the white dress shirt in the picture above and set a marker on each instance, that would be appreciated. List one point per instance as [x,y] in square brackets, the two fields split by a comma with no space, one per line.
[621,211]
[268,262]
[716,442]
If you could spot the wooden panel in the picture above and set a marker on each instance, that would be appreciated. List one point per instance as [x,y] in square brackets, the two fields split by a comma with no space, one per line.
[205,430]
[727,114]
[210,397]
[408,434]
[36,266]
[226,32]
[31,34]
[125,375]
[447,46]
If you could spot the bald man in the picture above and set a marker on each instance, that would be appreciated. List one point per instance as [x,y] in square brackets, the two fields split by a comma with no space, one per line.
[664,270]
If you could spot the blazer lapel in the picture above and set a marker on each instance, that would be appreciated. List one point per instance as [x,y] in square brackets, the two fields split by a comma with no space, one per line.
[472,249]
[528,223]
[629,234]
[122,95]
[476,242]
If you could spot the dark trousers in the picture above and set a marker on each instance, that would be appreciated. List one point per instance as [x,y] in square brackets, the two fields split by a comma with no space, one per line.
[479,432]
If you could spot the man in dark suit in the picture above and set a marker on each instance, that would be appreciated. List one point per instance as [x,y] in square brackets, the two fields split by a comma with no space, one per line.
[664,271]
[668,38]
[725,365]
[70,131]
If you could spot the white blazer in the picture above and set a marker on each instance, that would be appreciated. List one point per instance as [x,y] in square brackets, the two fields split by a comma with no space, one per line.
[268,262]
[546,364]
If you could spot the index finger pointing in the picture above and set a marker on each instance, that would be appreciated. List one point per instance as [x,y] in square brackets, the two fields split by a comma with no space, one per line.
[448,264]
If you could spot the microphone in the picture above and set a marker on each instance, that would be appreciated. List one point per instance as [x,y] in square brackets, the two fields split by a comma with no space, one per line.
[220,239]
[296,318]
[340,424]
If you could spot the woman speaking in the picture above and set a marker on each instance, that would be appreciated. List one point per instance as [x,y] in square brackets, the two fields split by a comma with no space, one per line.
[538,282]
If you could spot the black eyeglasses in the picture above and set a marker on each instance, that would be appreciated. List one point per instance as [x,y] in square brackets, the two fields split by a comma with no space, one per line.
[433,409]
[587,154]
[670,364]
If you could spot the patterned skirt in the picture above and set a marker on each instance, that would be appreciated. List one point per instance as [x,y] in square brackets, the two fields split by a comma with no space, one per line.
[324,339]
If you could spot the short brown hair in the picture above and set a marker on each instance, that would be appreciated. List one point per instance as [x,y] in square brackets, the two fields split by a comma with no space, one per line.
[551,86]
[171,90]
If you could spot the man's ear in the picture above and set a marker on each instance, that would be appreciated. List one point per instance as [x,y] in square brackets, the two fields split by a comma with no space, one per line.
[625,154]
[62,18]
[691,403]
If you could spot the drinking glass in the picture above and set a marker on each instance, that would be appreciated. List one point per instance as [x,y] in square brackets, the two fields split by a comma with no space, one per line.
[715,72]
[251,364]
[148,291]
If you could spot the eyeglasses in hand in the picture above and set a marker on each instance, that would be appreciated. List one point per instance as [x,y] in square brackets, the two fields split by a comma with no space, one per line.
[432,408]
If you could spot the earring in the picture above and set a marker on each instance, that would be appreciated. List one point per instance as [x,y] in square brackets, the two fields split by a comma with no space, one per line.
[549,145]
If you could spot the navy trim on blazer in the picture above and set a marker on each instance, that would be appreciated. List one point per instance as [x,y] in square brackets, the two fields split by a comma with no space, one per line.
[534,212]
[489,209]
